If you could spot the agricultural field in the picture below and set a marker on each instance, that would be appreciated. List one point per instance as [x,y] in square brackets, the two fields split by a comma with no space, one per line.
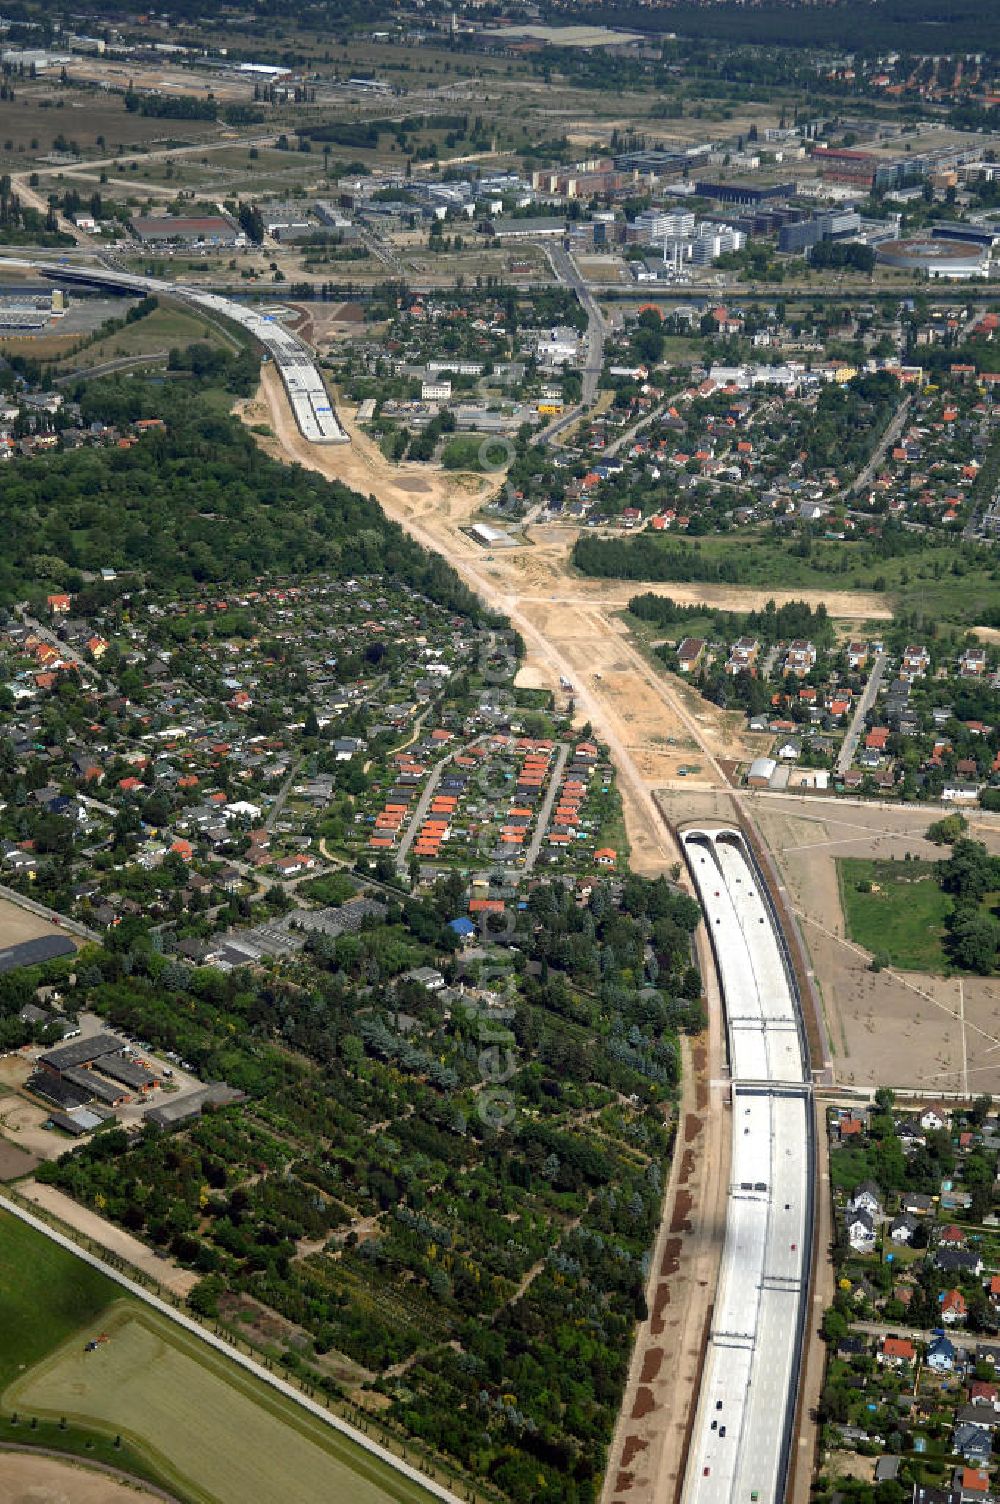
[152,1385]
[46,1296]
[156,1385]
[896,909]
[30,124]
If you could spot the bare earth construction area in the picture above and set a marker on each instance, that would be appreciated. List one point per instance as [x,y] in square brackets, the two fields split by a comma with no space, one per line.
[933,1033]
[570,625]
[937,1032]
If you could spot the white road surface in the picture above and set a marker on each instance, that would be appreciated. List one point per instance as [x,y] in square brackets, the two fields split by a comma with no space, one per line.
[743,1427]
[307,393]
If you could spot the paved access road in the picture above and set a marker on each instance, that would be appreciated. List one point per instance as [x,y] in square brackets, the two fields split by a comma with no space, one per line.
[63,648]
[865,702]
[889,438]
[44,912]
[545,813]
[421,807]
[965,1341]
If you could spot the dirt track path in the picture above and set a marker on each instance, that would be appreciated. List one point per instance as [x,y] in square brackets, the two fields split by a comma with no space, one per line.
[111,1238]
[30,1478]
[649,1448]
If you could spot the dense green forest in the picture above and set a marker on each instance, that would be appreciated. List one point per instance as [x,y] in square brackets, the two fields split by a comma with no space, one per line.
[913,25]
[190,505]
[772,624]
[170,106]
[651,557]
[971,876]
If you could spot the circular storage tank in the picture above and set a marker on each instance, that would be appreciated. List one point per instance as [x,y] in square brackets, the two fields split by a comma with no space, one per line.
[938,258]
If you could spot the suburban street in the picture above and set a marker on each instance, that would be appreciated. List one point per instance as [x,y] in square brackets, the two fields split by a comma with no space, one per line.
[64,649]
[545,813]
[964,1341]
[423,804]
[867,699]
[886,442]
[275,811]
[44,912]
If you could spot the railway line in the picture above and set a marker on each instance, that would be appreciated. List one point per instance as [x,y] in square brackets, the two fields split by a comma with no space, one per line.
[741,1441]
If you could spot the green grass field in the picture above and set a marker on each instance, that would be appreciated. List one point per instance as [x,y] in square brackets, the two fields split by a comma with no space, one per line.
[187,1416]
[944,582]
[46,1295]
[904,916]
[646,633]
[163,329]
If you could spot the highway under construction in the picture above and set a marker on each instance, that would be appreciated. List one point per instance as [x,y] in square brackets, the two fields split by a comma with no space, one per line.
[303,381]
[741,1440]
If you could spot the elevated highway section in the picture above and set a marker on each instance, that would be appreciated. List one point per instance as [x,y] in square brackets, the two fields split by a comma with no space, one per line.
[741,1439]
[302,378]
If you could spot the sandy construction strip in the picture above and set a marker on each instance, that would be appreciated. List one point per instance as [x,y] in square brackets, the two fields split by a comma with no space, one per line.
[113,1239]
[848,605]
[569,625]
[649,1449]
[434,516]
[649,725]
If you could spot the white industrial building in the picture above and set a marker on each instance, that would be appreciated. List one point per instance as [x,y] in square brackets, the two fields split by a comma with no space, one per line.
[654,226]
[684,239]
[435,391]
[712,241]
[558,347]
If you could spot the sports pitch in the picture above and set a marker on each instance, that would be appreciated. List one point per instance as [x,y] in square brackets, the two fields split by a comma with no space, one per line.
[211,1431]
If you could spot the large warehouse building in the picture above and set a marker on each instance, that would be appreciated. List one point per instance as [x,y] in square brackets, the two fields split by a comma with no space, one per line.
[172,229]
[35,952]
